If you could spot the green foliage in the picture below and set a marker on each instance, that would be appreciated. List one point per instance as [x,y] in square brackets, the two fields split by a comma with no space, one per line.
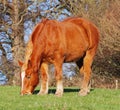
[98,99]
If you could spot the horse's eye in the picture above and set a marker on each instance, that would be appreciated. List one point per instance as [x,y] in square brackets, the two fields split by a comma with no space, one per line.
[27,76]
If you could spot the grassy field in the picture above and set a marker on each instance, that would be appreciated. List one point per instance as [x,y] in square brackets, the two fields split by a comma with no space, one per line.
[98,99]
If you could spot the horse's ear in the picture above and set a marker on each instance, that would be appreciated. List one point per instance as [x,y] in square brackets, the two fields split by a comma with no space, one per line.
[20,63]
[29,64]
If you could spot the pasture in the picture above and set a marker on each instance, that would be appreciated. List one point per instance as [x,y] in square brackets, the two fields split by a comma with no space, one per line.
[98,99]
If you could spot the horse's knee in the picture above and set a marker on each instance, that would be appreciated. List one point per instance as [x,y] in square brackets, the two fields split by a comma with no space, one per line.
[44,71]
[58,76]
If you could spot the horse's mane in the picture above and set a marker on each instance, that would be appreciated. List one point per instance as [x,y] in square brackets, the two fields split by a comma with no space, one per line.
[29,47]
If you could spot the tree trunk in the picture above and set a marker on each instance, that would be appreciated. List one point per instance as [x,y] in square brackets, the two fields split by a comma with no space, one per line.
[17,42]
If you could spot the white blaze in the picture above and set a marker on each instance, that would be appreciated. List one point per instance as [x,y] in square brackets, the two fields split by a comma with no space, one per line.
[22,77]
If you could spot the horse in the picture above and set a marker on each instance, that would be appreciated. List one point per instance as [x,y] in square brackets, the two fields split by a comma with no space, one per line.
[54,42]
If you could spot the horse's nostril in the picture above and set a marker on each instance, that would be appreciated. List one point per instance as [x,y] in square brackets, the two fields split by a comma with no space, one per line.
[25,93]
[21,94]
[29,93]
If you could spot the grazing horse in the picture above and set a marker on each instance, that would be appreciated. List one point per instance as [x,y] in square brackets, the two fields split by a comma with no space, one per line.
[57,42]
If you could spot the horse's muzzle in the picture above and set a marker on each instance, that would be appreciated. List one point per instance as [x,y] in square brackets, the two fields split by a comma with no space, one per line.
[25,93]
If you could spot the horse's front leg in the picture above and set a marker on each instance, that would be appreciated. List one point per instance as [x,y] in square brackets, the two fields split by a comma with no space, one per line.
[44,79]
[58,76]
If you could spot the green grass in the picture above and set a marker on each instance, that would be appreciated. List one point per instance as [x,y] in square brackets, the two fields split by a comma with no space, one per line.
[98,99]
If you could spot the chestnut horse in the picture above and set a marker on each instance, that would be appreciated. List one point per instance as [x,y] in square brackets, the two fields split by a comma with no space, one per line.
[57,42]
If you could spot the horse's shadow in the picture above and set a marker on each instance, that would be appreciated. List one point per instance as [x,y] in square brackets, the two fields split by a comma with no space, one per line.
[66,90]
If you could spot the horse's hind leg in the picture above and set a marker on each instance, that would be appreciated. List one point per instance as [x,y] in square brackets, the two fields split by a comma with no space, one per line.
[86,71]
[44,79]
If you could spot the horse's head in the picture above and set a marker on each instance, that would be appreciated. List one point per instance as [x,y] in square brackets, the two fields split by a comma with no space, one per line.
[29,78]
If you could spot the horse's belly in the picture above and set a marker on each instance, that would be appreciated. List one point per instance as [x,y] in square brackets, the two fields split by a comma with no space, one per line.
[75,50]
[74,56]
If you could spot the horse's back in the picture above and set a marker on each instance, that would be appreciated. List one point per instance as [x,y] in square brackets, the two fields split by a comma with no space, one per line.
[70,38]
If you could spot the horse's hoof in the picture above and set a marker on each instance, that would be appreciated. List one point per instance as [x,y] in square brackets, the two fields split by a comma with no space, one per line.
[83,92]
[42,93]
[59,94]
